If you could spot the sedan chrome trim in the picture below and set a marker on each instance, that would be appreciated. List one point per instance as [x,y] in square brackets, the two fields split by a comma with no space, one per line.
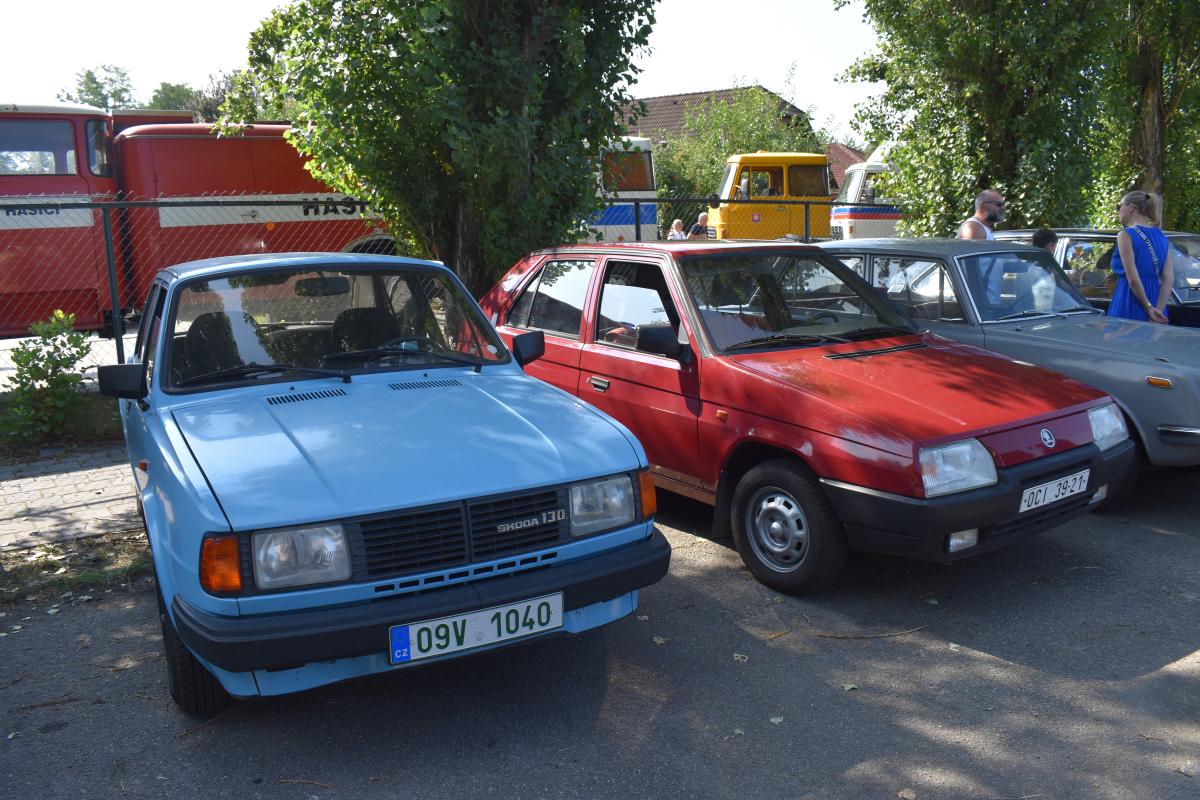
[1179,434]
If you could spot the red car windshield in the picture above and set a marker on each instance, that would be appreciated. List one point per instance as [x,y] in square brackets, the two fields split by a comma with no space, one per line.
[747,300]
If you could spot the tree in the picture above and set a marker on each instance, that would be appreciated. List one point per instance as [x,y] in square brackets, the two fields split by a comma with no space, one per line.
[997,95]
[1151,121]
[690,164]
[475,125]
[175,96]
[106,87]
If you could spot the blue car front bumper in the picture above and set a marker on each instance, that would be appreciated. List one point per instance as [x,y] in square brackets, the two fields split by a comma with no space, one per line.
[287,640]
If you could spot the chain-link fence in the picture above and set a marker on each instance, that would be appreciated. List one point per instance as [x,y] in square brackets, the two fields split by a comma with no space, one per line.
[96,259]
[648,219]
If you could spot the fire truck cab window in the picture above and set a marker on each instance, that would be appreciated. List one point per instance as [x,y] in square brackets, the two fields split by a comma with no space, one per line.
[36,147]
[98,148]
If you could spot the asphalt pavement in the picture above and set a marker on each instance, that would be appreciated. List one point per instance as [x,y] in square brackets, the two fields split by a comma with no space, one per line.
[1065,668]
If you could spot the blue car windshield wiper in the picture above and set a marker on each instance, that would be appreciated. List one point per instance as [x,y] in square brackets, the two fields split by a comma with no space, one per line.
[383,352]
[246,370]
[1077,309]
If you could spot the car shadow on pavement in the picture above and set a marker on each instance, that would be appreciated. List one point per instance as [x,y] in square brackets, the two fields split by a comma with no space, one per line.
[1102,597]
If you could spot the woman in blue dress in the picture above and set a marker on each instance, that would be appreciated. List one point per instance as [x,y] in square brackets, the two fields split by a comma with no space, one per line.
[1141,292]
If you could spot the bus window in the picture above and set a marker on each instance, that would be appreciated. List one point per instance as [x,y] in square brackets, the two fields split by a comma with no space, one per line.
[808,180]
[629,171]
[764,182]
[36,147]
[99,152]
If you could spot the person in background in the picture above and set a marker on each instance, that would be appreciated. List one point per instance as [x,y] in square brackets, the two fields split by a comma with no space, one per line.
[1142,261]
[700,229]
[989,210]
[1045,239]
[677,230]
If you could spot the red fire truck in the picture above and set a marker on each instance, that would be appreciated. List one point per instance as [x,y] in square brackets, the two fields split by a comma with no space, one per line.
[56,257]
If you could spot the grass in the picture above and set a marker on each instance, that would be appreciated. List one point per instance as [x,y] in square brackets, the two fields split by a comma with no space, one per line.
[100,562]
[97,421]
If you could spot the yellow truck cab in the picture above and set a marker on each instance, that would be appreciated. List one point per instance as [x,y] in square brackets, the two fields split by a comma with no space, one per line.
[779,181]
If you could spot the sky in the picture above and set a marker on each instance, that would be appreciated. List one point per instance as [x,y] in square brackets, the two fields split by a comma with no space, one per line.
[696,45]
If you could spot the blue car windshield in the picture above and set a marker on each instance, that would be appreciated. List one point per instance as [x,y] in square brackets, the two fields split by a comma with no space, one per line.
[1014,285]
[223,328]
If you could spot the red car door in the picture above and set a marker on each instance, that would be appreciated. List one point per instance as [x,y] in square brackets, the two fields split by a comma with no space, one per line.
[552,300]
[626,369]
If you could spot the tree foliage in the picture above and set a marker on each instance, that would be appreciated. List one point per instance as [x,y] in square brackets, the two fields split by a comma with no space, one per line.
[690,164]
[1062,105]
[475,125]
[1147,136]
[46,384]
[997,95]
[175,96]
[106,87]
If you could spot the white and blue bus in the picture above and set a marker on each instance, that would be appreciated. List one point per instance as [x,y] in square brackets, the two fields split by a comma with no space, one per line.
[627,174]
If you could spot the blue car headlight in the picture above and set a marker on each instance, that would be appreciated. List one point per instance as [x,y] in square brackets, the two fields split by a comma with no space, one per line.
[1108,426]
[602,504]
[300,556]
[956,467]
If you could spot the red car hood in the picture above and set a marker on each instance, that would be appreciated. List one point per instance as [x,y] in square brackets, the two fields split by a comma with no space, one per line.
[925,389]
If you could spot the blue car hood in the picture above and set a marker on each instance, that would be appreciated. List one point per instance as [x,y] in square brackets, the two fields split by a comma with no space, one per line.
[275,459]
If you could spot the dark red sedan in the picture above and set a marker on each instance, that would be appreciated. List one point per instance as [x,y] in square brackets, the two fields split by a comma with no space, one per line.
[772,382]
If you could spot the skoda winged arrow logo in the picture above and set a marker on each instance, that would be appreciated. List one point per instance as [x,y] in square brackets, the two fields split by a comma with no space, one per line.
[1048,438]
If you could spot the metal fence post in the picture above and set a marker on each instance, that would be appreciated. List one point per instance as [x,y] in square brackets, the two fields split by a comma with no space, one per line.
[118,328]
[637,220]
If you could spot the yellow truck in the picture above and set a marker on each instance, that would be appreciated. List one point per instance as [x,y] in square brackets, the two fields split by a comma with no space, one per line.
[766,189]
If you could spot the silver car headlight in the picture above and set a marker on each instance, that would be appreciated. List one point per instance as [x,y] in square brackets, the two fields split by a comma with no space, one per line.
[956,467]
[300,556]
[1108,426]
[602,504]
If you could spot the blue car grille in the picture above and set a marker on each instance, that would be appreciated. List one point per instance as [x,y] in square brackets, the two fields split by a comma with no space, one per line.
[415,541]
[487,541]
[461,533]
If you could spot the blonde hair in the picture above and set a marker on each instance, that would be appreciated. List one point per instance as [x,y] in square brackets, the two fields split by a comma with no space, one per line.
[1147,204]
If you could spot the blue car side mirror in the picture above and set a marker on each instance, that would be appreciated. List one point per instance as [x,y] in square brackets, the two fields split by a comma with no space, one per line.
[127,381]
[529,347]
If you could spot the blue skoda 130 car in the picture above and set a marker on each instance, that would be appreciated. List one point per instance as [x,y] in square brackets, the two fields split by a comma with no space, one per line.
[344,471]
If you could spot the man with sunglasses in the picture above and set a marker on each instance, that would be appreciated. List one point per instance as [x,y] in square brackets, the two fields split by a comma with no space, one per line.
[989,210]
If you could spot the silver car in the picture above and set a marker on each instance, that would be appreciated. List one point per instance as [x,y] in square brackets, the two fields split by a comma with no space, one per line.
[1016,300]
[1085,254]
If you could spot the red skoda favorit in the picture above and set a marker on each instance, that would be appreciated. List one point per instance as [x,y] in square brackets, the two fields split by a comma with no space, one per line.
[772,382]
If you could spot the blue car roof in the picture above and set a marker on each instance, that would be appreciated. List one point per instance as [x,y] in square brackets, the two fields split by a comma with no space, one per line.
[265,261]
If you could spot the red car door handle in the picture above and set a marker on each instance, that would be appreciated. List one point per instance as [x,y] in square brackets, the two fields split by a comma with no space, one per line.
[599,384]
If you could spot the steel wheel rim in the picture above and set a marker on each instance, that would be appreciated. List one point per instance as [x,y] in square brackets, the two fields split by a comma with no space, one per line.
[777,529]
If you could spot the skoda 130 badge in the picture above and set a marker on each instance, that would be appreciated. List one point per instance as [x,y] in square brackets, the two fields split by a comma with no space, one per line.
[544,518]
[1048,438]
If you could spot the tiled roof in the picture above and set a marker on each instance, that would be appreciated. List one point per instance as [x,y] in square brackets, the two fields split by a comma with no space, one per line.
[664,114]
[841,156]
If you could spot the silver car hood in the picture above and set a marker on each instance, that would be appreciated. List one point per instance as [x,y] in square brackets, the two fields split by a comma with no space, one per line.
[1100,335]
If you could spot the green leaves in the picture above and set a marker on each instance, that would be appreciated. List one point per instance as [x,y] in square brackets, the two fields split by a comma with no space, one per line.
[107,87]
[1039,100]
[45,391]
[473,128]
[690,165]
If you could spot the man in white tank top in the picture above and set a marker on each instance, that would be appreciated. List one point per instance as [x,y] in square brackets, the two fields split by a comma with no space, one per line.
[989,210]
